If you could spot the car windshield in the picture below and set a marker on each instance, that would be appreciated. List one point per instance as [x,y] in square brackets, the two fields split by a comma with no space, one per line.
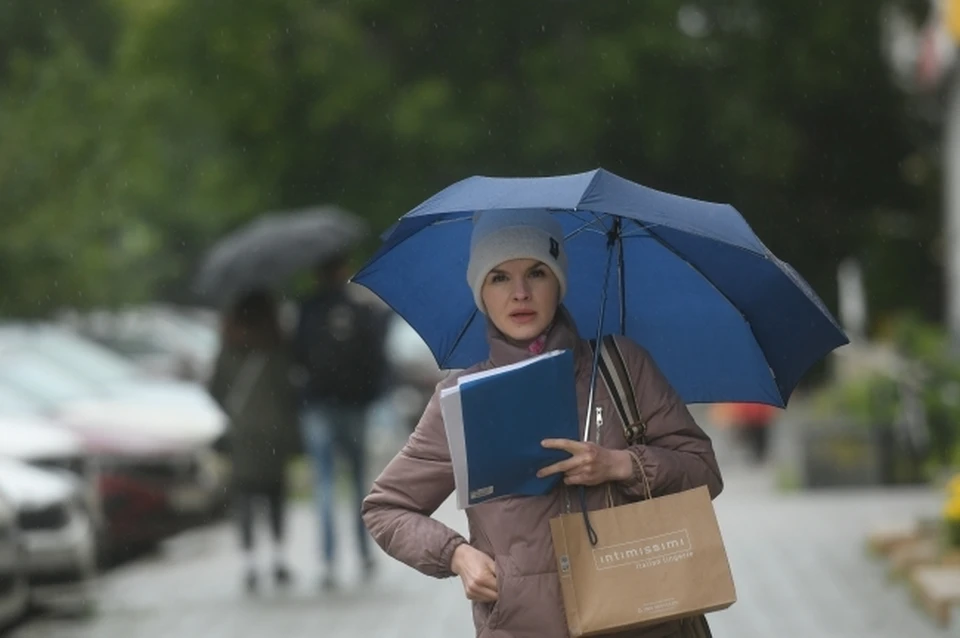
[14,402]
[132,346]
[43,381]
[80,356]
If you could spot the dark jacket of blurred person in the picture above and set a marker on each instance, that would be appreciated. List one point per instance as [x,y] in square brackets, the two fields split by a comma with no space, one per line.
[252,382]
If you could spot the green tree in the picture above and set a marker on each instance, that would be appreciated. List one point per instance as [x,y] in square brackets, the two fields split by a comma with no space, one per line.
[189,117]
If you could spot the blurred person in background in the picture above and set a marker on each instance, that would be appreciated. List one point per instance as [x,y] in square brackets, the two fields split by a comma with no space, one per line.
[752,423]
[252,382]
[341,349]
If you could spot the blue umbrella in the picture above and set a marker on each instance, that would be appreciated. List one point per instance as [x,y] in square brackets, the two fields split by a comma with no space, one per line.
[724,319]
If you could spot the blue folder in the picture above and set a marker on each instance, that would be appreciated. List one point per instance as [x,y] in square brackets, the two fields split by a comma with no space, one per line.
[505,414]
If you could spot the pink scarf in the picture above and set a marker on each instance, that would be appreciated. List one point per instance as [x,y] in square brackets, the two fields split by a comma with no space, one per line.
[537,345]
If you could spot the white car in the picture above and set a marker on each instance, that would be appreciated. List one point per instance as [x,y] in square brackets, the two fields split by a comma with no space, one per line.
[14,587]
[33,440]
[137,443]
[102,373]
[163,341]
[58,532]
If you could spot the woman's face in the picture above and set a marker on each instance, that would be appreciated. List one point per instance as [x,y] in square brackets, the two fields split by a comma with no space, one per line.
[521,298]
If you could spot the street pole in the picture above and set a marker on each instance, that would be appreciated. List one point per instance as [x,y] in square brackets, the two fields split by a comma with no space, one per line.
[924,59]
[951,203]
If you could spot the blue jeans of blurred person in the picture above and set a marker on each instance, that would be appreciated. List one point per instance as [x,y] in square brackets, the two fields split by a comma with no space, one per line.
[332,432]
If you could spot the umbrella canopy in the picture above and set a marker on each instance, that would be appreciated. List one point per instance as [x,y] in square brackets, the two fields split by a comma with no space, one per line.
[269,250]
[724,318]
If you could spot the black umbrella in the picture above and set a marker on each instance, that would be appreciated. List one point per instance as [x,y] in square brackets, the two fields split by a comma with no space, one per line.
[266,252]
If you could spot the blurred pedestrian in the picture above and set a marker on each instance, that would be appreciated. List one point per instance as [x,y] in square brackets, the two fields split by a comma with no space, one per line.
[340,346]
[753,423]
[252,382]
[518,272]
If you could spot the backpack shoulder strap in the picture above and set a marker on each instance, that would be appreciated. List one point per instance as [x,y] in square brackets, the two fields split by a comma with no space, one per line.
[616,377]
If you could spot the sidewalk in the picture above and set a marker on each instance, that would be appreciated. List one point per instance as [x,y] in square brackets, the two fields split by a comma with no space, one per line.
[798,562]
[193,588]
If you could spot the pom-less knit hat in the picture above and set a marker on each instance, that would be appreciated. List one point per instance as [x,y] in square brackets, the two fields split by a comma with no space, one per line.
[502,235]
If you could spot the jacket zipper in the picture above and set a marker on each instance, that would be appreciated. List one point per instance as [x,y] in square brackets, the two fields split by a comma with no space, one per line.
[598,420]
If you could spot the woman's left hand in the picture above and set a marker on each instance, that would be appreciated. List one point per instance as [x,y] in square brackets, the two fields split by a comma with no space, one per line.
[591,464]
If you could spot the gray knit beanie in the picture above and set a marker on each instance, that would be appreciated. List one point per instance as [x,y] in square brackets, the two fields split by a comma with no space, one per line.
[502,235]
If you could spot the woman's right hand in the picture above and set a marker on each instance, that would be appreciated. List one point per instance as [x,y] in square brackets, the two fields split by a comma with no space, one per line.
[477,572]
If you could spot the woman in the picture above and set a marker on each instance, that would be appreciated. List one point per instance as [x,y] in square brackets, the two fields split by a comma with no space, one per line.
[518,274]
[251,381]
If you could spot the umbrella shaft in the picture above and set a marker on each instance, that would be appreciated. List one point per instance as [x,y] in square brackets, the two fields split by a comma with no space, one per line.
[613,242]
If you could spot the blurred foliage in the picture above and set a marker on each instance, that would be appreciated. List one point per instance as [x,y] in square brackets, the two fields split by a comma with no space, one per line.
[939,382]
[135,132]
[871,399]
[928,367]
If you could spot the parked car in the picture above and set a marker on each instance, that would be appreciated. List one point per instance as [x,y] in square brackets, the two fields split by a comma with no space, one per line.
[58,531]
[161,340]
[67,372]
[103,371]
[34,440]
[157,471]
[14,584]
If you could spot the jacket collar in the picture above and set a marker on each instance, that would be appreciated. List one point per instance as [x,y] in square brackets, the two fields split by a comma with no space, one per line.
[563,336]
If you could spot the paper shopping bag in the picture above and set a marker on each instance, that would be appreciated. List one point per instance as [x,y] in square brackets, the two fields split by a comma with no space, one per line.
[654,561]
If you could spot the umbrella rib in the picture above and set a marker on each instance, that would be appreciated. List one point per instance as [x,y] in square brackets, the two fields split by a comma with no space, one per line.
[449,220]
[666,244]
[574,212]
[586,228]
[460,336]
